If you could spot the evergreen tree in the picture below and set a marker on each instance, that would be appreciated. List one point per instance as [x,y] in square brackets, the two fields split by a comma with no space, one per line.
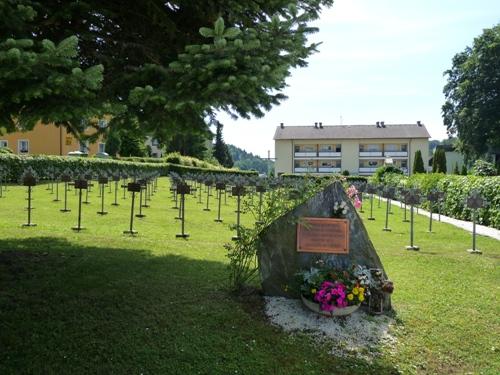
[113,143]
[418,163]
[439,161]
[42,78]
[132,144]
[161,66]
[220,149]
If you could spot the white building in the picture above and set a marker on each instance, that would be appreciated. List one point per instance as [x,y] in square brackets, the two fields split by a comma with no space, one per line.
[359,149]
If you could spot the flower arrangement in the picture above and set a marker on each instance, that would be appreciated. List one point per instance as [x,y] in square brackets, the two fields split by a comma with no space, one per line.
[333,289]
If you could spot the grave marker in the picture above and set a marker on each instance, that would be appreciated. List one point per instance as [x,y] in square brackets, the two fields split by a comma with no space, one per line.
[183,189]
[412,198]
[388,195]
[474,202]
[238,191]
[132,187]
[29,180]
[80,184]
[370,189]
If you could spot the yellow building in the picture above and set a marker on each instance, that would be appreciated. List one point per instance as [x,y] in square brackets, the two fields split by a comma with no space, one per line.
[50,140]
[358,149]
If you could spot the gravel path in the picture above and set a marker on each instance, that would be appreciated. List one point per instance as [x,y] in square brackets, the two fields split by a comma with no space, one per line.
[465,225]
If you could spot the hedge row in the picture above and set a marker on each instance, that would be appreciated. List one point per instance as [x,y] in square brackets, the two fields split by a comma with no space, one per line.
[457,189]
[174,158]
[348,179]
[14,166]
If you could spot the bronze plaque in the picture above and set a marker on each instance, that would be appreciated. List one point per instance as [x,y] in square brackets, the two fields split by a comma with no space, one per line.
[238,190]
[183,188]
[134,187]
[323,235]
[81,184]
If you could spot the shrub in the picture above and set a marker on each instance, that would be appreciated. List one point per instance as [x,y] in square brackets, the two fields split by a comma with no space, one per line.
[483,168]
[5,150]
[418,163]
[15,164]
[379,174]
[345,172]
[457,189]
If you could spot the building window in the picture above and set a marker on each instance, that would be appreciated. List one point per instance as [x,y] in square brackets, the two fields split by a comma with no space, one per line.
[370,148]
[23,146]
[305,148]
[370,163]
[4,143]
[404,148]
[102,124]
[330,148]
[102,148]
[154,142]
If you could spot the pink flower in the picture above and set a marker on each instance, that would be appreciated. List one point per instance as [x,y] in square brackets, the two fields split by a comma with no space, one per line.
[357,202]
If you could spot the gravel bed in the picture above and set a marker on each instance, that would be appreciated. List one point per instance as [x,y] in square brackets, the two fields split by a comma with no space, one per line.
[359,334]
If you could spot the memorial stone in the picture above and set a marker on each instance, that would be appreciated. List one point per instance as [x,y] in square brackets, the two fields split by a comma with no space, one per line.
[278,255]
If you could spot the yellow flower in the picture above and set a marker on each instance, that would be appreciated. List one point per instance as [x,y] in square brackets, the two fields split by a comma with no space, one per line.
[355,291]
[313,291]
[361,298]
[350,297]
[361,290]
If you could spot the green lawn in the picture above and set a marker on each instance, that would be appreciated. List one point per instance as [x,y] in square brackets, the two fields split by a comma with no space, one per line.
[102,302]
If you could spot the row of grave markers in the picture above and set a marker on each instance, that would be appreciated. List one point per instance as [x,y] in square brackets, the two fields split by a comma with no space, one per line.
[191,184]
[413,198]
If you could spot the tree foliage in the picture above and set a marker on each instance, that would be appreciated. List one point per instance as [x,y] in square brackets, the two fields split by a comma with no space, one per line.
[472,92]
[42,79]
[158,64]
[418,163]
[220,149]
[247,161]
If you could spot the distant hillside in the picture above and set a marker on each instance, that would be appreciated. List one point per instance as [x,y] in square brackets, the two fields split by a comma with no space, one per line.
[247,161]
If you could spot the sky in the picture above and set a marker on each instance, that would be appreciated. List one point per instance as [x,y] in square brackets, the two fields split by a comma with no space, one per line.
[380,60]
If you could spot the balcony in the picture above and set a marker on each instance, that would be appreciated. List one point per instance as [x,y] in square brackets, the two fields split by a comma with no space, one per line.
[303,154]
[330,154]
[304,170]
[395,153]
[328,170]
[367,170]
[370,153]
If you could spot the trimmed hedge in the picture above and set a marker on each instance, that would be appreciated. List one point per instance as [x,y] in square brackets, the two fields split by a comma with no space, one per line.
[15,165]
[347,179]
[175,158]
[457,189]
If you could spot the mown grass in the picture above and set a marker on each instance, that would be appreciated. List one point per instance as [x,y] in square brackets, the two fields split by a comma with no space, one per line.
[102,302]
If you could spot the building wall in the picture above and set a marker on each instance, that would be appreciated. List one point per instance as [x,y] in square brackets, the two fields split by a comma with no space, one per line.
[350,154]
[47,140]
[283,151]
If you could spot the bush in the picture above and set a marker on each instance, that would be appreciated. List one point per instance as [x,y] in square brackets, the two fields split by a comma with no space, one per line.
[418,163]
[457,189]
[483,168]
[15,165]
[345,172]
[5,150]
[379,174]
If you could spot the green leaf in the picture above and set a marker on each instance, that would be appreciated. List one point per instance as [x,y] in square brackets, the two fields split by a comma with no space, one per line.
[219,27]
[206,32]
[231,33]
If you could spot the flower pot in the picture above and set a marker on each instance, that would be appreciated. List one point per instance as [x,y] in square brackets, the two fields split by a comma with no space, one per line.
[341,311]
